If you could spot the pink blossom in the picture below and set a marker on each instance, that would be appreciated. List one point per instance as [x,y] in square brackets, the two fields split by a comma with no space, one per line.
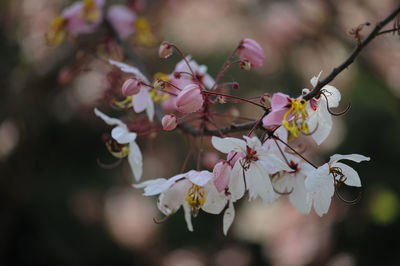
[122,20]
[130,87]
[169,122]
[78,22]
[233,156]
[190,99]
[250,50]
[222,175]
[280,104]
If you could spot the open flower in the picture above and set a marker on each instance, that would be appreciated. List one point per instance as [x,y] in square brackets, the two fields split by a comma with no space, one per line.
[122,20]
[321,182]
[320,120]
[142,100]
[129,148]
[193,191]
[249,173]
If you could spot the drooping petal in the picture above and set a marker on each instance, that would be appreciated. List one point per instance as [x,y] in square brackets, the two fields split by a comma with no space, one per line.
[135,160]
[122,135]
[322,201]
[222,175]
[317,179]
[129,69]
[229,215]
[279,100]
[299,197]
[274,118]
[188,217]
[352,177]
[109,120]
[352,157]
[225,145]
[140,100]
[215,201]
[236,186]
[258,183]
[150,109]
[274,163]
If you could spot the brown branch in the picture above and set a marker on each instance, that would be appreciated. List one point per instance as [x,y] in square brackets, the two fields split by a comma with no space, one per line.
[336,71]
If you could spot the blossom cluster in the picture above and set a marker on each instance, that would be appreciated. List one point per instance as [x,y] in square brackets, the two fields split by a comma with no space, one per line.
[84,17]
[262,164]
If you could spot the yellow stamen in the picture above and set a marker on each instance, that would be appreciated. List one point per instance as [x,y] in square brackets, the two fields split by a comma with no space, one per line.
[117,150]
[90,11]
[157,95]
[57,31]
[143,34]
[297,108]
[195,198]
[124,104]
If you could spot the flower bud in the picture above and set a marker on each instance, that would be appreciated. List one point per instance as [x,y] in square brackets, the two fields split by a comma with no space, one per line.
[266,99]
[222,175]
[190,99]
[131,87]
[245,65]
[250,50]
[165,50]
[169,122]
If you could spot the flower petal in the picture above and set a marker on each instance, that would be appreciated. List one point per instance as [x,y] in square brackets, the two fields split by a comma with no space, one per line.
[299,197]
[135,160]
[317,179]
[236,186]
[199,178]
[122,134]
[140,100]
[151,186]
[352,177]
[258,183]
[150,109]
[322,121]
[109,120]
[188,217]
[229,215]
[129,69]
[352,157]
[215,201]
[322,202]
[225,145]
[332,94]
[314,80]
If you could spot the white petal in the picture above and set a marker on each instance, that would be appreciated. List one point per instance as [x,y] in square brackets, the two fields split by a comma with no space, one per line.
[129,69]
[229,215]
[321,203]
[236,186]
[332,94]
[109,120]
[275,162]
[258,183]
[135,160]
[199,178]
[322,119]
[151,186]
[352,157]
[150,109]
[122,134]
[225,145]
[315,79]
[188,217]
[317,179]
[253,142]
[352,178]
[140,100]
[299,197]
[171,200]
[215,201]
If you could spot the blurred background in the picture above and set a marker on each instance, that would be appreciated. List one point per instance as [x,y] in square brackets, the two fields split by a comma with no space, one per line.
[58,207]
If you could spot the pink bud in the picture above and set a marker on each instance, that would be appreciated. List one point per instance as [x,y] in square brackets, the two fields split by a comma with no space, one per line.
[169,122]
[165,50]
[131,87]
[190,99]
[222,175]
[250,50]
